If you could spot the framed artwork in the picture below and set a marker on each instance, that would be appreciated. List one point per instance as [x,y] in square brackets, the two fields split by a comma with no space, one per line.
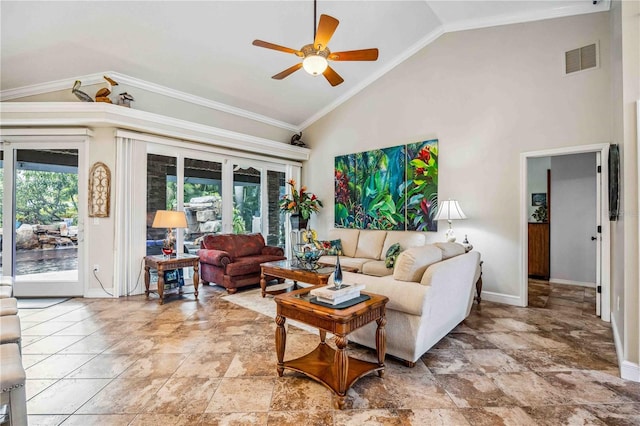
[539,199]
[99,190]
[392,188]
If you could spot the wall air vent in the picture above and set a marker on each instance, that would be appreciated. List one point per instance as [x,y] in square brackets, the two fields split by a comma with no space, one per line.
[581,59]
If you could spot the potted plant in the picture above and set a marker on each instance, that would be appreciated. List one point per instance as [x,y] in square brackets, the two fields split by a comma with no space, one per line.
[300,204]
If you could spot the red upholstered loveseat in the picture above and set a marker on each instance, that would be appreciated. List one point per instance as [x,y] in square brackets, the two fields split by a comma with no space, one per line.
[233,260]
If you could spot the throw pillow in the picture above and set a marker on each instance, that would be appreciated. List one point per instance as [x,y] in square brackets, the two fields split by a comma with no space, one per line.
[392,255]
[412,262]
[330,247]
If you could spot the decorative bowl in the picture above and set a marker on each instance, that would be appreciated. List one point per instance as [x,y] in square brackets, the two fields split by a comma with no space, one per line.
[307,255]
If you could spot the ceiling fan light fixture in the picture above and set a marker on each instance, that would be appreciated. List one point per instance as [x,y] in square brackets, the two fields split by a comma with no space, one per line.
[315,64]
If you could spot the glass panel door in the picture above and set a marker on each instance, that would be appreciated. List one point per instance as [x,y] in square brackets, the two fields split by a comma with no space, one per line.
[276,234]
[161,195]
[202,200]
[47,214]
[246,200]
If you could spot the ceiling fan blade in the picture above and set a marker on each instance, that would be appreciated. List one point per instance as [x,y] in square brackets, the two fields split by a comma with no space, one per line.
[355,55]
[288,71]
[332,77]
[326,27]
[277,47]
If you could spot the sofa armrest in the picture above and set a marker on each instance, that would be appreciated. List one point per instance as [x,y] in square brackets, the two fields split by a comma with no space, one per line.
[272,250]
[215,257]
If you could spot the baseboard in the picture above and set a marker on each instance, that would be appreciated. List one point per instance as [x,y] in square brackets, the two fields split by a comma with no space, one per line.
[570,282]
[507,299]
[628,370]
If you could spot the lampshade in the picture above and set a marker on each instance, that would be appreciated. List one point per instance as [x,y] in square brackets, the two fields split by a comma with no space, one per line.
[169,219]
[449,210]
[314,64]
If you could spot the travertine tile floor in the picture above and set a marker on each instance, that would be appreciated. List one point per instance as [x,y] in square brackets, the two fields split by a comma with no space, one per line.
[134,362]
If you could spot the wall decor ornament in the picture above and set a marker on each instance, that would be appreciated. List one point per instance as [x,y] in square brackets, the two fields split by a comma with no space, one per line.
[99,190]
[392,188]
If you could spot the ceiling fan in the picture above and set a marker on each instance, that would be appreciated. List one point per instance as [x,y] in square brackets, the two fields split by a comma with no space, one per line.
[316,56]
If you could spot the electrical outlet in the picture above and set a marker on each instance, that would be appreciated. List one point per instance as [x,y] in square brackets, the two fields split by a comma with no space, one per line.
[96,267]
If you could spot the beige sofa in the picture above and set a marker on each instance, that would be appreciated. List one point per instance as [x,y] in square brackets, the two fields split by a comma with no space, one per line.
[430,290]
[365,249]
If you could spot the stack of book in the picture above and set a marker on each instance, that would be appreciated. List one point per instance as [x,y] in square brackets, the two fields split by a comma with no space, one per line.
[333,296]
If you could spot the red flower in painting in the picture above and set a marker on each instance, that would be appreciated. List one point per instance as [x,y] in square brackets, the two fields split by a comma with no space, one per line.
[419,171]
[424,154]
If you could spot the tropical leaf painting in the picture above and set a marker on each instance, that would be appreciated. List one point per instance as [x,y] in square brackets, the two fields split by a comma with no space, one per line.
[380,174]
[421,192]
[391,188]
[346,191]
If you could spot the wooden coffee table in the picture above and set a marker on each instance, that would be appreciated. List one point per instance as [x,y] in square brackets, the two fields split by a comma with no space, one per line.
[333,368]
[288,270]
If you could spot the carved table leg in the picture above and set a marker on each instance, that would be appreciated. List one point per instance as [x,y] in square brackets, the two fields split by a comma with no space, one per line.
[161,285]
[381,343]
[341,362]
[263,283]
[196,277]
[281,342]
[147,280]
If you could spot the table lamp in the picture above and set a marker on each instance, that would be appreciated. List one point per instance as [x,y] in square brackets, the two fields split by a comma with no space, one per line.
[450,210]
[169,219]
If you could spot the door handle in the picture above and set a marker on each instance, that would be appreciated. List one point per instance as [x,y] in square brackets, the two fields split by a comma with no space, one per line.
[593,238]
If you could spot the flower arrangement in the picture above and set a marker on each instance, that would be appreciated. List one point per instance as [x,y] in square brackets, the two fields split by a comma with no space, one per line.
[300,201]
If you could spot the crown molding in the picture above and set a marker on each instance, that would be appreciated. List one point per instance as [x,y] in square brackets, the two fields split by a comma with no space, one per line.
[100,114]
[97,78]
[538,15]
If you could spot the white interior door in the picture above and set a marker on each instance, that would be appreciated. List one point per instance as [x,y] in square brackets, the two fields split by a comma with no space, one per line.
[44,183]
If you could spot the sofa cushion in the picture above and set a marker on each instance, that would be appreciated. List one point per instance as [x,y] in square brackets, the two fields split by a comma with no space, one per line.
[391,255]
[408,297]
[370,244]
[330,247]
[349,239]
[450,249]
[412,262]
[406,239]
[352,262]
[376,268]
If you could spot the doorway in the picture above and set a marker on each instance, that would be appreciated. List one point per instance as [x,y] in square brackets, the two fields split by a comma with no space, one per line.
[42,213]
[568,243]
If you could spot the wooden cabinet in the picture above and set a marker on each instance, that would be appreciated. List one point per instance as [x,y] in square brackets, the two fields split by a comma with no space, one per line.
[539,250]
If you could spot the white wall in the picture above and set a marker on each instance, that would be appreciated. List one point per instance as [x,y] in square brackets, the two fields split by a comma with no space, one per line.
[487,95]
[537,179]
[573,218]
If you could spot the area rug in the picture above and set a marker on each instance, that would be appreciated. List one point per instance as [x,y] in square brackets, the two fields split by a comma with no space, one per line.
[40,303]
[252,299]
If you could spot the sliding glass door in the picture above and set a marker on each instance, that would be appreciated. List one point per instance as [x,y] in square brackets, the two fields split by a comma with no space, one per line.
[43,218]
[218,193]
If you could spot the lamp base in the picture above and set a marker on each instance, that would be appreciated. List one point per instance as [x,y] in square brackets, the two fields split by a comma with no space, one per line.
[450,235]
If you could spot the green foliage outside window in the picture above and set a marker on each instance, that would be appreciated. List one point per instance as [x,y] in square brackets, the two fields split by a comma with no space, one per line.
[46,197]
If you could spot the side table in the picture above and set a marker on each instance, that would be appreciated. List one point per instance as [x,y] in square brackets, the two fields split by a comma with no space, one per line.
[162,263]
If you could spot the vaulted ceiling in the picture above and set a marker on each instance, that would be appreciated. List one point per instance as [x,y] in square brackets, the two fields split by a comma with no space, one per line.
[203,48]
